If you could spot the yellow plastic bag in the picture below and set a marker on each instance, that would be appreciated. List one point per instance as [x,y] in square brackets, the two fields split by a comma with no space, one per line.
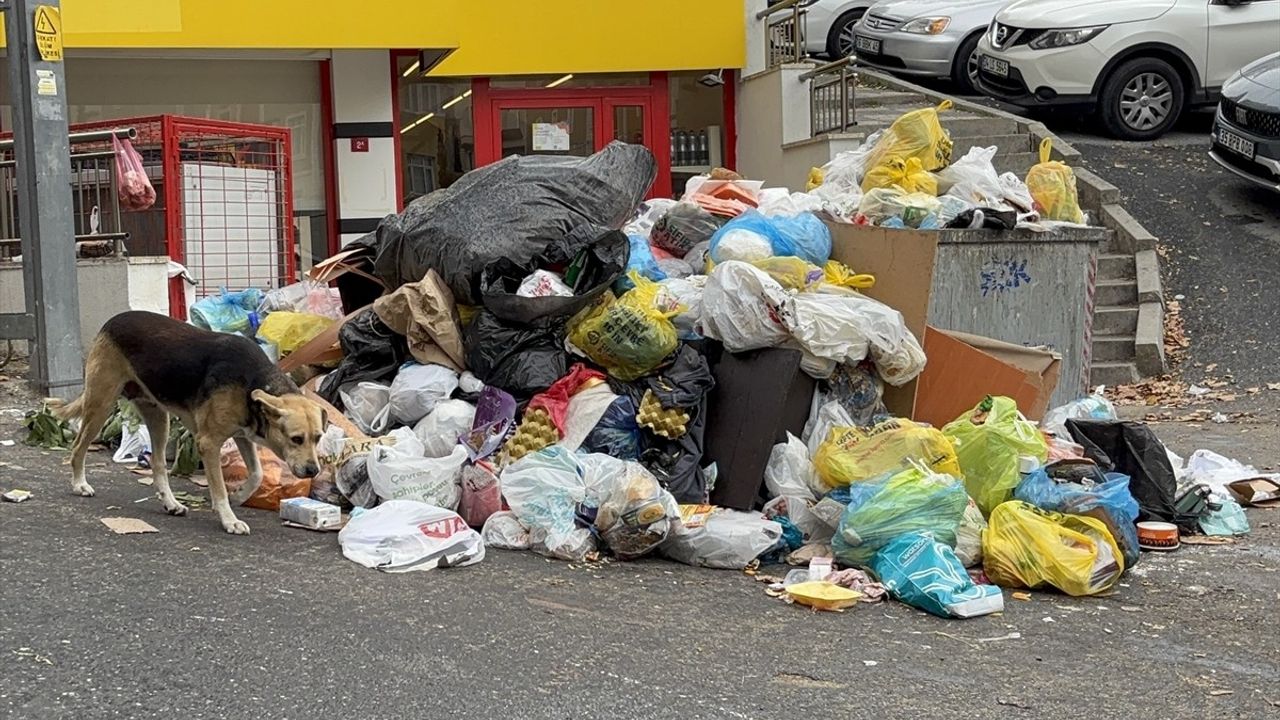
[908,174]
[841,275]
[1053,188]
[915,134]
[630,335]
[988,440]
[791,272]
[851,454]
[290,330]
[1025,546]
[816,177]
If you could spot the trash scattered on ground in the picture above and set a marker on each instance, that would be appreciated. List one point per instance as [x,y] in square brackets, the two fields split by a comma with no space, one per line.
[128,526]
[16,496]
[45,429]
[310,514]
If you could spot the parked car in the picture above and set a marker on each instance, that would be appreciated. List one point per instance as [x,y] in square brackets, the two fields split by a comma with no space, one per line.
[829,26]
[926,38]
[1139,64]
[1246,131]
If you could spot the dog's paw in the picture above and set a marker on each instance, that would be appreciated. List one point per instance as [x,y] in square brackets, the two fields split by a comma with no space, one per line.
[176,508]
[83,489]
[236,527]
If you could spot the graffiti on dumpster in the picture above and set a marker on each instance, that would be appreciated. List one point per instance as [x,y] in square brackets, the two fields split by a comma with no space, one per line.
[1001,275]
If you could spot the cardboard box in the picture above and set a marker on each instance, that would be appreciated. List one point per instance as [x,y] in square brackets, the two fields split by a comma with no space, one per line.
[961,368]
[1256,492]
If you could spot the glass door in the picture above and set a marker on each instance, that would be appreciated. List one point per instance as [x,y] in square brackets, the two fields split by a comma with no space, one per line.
[558,129]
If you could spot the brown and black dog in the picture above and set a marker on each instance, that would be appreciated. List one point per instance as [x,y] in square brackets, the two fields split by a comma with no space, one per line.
[221,386]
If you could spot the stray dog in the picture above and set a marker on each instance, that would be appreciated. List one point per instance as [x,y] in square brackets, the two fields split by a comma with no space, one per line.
[221,386]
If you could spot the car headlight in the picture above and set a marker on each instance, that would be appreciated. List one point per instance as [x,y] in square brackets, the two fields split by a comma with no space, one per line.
[1066,37]
[926,25]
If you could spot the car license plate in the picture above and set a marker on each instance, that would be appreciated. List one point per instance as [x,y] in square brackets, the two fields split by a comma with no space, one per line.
[1235,143]
[995,66]
[867,45]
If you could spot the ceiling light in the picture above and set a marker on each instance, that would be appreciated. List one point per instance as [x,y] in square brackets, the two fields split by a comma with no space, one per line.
[409,70]
[416,123]
[560,81]
[456,100]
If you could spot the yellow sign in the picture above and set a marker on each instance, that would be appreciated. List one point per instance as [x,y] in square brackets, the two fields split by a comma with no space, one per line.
[49,33]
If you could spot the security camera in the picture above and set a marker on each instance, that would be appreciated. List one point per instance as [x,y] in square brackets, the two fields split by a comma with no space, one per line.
[712,79]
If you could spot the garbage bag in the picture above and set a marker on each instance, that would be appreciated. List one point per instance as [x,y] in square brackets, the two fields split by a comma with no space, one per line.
[632,514]
[781,201]
[916,134]
[860,391]
[688,292]
[402,472]
[846,328]
[229,312]
[289,331]
[675,268]
[1105,497]
[908,501]
[791,272]
[481,495]
[973,178]
[135,444]
[1229,519]
[752,236]
[371,352]
[851,454]
[503,530]
[824,414]
[630,335]
[508,209]
[417,390]
[926,574]
[989,440]
[969,535]
[640,261]
[278,482]
[1093,407]
[368,404]
[615,433]
[424,312]
[1025,546]
[1131,448]
[544,489]
[495,420]
[684,226]
[722,538]
[522,359]
[443,428]
[790,472]
[590,259]
[908,174]
[543,283]
[1053,188]
[404,535]
[306,296]
[647,215]
[741,306]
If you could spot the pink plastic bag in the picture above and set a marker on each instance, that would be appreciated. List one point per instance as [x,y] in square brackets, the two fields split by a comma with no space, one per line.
[136,192]
[481,494]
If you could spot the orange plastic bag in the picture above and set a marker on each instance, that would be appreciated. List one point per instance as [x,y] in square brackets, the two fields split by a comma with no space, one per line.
[277,482]
[136,192]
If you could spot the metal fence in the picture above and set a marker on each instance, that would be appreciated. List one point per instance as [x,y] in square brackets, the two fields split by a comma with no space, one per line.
[94,200]
[832,89]
[784,31]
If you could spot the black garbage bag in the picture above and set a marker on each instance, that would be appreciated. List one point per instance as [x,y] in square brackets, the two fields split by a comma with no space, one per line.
[370,351]
[521,359]
[1132,449]
[590,258]
[512,209]
[685,225]
[677,463]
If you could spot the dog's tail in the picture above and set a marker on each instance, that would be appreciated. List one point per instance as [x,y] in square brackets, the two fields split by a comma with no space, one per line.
[65,410]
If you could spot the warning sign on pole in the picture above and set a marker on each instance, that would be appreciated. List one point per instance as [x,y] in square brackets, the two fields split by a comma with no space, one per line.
[49,33]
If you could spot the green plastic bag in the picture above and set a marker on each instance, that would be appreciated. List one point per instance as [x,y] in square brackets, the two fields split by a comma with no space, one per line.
[989,440]
[913,500]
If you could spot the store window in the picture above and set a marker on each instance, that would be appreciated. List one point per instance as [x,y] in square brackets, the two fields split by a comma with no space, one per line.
[698,138]
[437,135]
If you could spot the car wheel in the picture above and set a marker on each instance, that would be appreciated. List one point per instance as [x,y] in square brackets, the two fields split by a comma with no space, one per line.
[1141,99]
[840,37]
[964,68]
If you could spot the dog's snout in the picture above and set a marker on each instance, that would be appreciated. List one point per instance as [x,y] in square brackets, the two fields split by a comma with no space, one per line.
[309,470]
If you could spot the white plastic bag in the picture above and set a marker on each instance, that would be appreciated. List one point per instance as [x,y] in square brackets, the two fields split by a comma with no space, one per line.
[846,328]
[973,178]
[469,383]
[133,444]
[727,540]
[633,513]
[503,530]
[799,510]
[543,283]
[1017,193]
[398,474]
[782,202]
[1206,467]
[688,293]
[404,535]
[417,390]
[1094,407]
[740,307]
[790,472]
[368,404]
[544,489]
[969,535]
[842,175]
[586,407]
[824,415]
[649,213]
[439,430]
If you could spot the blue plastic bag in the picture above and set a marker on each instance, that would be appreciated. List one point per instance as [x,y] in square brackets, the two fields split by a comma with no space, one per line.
[926,574]
[1226,520]
[803,236]
[230,312]
[1109,501]
[882,509]
[641,261]
[616,433]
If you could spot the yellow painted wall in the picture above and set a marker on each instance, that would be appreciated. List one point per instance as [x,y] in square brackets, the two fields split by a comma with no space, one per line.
[492,37]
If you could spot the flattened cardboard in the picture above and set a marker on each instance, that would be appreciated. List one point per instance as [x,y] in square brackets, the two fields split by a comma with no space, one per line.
[963,369]
[128,526]
[1245,491]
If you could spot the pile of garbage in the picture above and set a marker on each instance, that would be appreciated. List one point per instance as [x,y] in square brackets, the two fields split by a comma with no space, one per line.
[537,358]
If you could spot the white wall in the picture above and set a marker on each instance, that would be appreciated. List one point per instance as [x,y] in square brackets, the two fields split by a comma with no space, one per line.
[362,94]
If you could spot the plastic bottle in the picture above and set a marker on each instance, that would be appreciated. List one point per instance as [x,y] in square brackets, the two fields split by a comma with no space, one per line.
[704,155]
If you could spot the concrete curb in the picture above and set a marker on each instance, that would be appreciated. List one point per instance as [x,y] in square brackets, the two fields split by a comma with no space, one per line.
[1102,200]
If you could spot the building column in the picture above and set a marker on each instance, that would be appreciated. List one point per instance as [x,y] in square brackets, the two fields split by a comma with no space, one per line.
[364,144]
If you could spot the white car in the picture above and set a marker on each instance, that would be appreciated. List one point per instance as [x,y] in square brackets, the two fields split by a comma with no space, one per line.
[1139,63]
[829,26]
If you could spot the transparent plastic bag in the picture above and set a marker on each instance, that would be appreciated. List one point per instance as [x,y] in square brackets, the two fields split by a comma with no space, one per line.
[1053,187]
[724,539]
[544,490]
[988,440]
[1025,546]
[544,283]
[973,178]
[916,134]
[368,404]
[1093,407]
[851,454]
[790,471]
[969,535]
[134,187]
[417,389]
[628,336]
[882,204]
[908,174]
[441,430]
[791,272]
[740,308]
[909,501]
[847,327]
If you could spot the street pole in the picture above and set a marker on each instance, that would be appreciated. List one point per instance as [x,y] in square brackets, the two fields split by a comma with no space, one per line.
[43,164]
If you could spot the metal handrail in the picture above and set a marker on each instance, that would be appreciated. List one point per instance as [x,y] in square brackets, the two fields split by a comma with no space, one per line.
[836,80]
[92,136]
[784,39]
[779,7]
[828,67]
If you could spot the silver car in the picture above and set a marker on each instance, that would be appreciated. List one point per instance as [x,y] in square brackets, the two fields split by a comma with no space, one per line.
[926,38]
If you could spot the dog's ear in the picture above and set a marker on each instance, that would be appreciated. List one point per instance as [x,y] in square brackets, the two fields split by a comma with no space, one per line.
[324,419]
[267,402]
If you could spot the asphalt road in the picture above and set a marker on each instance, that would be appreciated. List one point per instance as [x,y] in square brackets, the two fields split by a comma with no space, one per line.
[194,623]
